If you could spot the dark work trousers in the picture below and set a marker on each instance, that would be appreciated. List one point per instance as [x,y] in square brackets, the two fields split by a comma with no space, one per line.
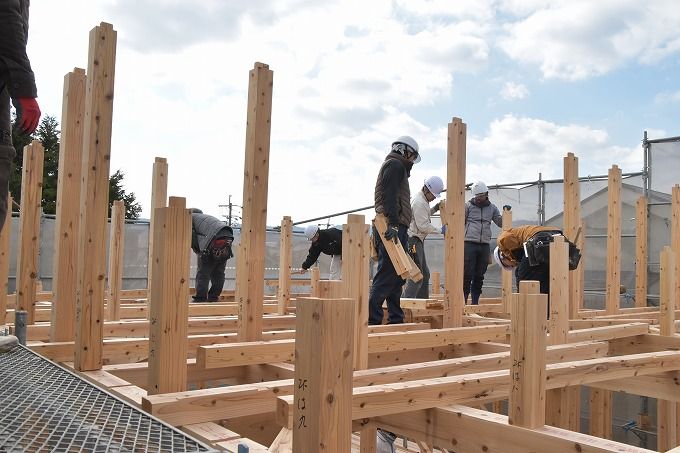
[421,289]
[476,262]
[7,152]
[210,272]
[540,273]
[386,285]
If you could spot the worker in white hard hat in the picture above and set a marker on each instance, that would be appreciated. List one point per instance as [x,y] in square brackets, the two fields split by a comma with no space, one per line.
[328,241]
[479,213]
[421,226]
[393,200]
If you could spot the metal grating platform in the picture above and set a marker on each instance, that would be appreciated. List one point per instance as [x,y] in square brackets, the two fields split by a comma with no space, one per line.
[45,408]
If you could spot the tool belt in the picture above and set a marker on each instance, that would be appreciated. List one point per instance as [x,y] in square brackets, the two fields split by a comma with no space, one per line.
[537,249]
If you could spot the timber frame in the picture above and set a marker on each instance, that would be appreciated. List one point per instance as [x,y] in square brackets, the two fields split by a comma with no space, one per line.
[306,374]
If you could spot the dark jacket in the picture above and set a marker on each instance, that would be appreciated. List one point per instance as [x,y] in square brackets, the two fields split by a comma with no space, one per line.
[329,242]
[15,68]
[205,228]
[478,218]
[392,192]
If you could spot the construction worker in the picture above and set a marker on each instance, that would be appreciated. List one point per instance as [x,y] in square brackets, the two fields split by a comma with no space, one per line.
[393,200]
[211,240]
[525,249]
[479,213]
[327,241]
[17,83]
[421,226]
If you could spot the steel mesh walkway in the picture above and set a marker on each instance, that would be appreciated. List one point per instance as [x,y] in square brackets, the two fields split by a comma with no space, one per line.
[45,408]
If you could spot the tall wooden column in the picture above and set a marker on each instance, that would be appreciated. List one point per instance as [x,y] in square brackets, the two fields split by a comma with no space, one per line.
[572,222]
[250,257]
[526,406]
[667,410]
[116,242]
[641,258]
[169,299]
[67,228]
[600,413]
[285,264]
[4,260]
[506,277]
[454,214]
[322,414]
[675,238]
[29,228]
[159,199]
[613,241]
[94,198]
[355,282]
[314,282]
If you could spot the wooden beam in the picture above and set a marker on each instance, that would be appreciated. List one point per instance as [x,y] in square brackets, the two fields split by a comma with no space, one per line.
[67,228]
[641,257]
[94,197]
[323,375]
[559,291]
[601,413]
[506,277]
[355,251]
[169,298]
[572,223]
[5,234]
[666,414]
[116,243]
[402,262]
[613,282]
[453,216]
[315,279]
[436,283]
[29,227]
[526,406]
[159,199]
[285,265]
[250,255]
[675,239]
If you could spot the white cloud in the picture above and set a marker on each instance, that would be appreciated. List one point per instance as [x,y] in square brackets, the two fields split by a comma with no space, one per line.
[512,91]
[667,97]
[579,39]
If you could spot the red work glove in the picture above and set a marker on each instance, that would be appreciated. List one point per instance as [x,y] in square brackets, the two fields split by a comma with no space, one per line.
[28,114]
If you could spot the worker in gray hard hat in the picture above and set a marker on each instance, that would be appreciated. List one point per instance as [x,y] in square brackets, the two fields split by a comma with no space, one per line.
[421,226]
[393,200]
[479,213]
[328,241]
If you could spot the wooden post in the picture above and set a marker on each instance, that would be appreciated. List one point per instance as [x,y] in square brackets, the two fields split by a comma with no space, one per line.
[250,256]
[641,258]
[355,282]
[667,410]
[454,218]
[94,198]
[572,222]
[159,199]
[67,228]
[116,241]
[436,283]
[5,234]
[322,414]
[29,228]
[314,279]
[581,244]
[169,299]
[675,237]
[506,277]
[601,413]
[285,264]
[613,241]
[526,406]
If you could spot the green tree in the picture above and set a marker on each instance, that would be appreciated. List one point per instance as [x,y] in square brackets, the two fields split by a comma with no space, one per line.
[48,133]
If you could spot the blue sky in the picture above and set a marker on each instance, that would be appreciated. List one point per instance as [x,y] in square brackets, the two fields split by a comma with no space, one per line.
[532,80]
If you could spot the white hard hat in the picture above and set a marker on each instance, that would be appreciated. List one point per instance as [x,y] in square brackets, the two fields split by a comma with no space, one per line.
[435,185]
[497,258]
[311,231]
[409,141]
[479,188]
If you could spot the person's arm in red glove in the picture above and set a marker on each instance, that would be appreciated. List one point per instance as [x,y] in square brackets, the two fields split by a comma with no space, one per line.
[28,114]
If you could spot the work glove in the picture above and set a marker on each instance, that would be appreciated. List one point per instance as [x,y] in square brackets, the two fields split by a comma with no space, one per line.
[507,207]
[435,208]
[392,233]
[28,114]
[443,229]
